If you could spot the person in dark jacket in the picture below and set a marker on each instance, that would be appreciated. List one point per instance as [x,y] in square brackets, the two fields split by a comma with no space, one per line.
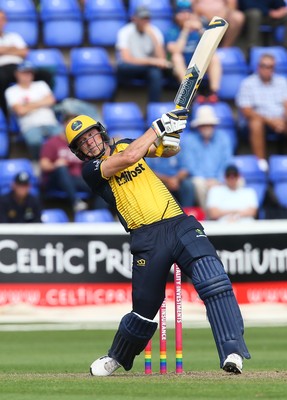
[19,205]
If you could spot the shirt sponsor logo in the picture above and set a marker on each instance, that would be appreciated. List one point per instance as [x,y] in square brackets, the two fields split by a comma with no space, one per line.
[128,176]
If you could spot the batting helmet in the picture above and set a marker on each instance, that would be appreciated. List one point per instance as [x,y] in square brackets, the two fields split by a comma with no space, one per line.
[77,127]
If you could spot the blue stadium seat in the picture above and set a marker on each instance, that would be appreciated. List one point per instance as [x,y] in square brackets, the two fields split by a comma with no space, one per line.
[278,168]
[123,119]
[104,17]
[155,110]
[279,52]
[53,59]
[161,12]
[90,216]
[260,188]
[124,115]
[249,168]
[62,23]
[158,8]
[54,215]
[93,74]
[280,190]
[235,69]
[10,167]
[4,136]
[23,19]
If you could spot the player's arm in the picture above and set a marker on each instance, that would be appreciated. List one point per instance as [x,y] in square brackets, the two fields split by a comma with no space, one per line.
[161,130]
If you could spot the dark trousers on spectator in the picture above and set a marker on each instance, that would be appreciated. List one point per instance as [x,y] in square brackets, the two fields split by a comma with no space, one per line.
[153,76]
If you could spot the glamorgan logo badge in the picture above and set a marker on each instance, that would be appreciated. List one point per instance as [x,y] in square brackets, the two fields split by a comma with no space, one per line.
[76,125]
[141,262]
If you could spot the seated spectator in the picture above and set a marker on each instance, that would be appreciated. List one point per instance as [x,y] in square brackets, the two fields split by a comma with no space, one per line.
[13,50]
[62,170]
[19,206]
[141,53]
[262,99]
[206,152]
[32,103]
[226,9]
[175,177]
[181,42]
[231,201]
[262,12]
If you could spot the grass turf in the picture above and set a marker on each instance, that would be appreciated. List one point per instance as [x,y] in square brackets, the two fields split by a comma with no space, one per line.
[54,364]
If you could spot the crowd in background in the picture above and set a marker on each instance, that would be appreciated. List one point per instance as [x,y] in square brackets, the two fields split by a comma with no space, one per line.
[203,174]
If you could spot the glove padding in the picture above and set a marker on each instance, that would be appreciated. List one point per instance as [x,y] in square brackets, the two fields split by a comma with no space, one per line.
[173,121]
[171,140]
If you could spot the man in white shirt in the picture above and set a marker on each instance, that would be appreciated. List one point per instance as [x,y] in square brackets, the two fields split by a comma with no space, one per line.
[32,103]
[232,201]
[141,53]
[13,51]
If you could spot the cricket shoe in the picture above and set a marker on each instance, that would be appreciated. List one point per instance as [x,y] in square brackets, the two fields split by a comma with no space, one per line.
[233,363]
[104,366]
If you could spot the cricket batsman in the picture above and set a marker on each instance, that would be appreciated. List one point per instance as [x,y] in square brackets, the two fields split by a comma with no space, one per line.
[161,234]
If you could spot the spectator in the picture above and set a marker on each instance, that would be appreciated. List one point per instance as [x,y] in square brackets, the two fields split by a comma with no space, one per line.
[19,206]
[262,12]
[141,53]
[32,103]
[181,42]
[175,177]
[226,9]
[231,202]
[262,99]
[62,170]
[13,50]
[206,152]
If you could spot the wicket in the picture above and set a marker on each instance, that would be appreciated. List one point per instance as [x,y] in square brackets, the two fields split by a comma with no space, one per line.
[163,331]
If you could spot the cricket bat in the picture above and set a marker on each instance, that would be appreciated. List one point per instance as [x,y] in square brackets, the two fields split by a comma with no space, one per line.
[199,62]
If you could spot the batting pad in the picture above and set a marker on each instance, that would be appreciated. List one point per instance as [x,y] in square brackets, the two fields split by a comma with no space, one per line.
[131,339]
[214,288]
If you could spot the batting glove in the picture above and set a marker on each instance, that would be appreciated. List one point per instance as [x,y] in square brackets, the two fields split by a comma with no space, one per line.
[173,121]
[171,140]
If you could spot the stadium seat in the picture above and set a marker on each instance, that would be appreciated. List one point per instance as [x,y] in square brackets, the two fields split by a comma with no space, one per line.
[278,168]
[10,167]
[260,188]
[279,52]
[62,23]
[54,215]
[235,69]
[4,136]
[280,191]
[158,8]
[104,19]
[53,59]
[22,18]
[249,168]
[100,215]
[124,115]
[155,110]
[93,74]
[161,12]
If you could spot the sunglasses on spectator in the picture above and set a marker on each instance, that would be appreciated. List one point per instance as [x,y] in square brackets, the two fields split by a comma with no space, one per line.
[266,66]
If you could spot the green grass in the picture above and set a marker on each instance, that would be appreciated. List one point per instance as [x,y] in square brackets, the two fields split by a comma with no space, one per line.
[54,365]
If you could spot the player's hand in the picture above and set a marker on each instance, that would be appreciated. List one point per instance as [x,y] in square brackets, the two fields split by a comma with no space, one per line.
[173,121]
[171,140]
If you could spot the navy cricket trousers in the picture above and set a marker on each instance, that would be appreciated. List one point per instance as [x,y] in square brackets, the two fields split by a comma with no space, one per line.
[155,248]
